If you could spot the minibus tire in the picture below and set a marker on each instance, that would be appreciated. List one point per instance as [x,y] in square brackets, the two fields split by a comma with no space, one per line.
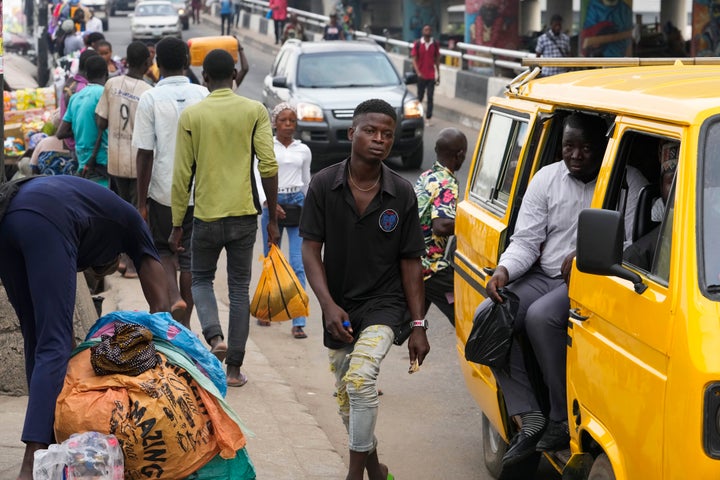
[601,469]
[494,447]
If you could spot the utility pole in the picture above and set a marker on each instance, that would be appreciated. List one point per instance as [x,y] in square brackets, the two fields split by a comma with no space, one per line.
[2,84]
[29,10]
[42,44]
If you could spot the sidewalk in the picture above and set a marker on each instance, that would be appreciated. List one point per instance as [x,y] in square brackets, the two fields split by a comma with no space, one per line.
[288,443]
[453,110]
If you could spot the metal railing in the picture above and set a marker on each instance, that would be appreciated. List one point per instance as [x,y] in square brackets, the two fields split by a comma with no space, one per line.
[469,57]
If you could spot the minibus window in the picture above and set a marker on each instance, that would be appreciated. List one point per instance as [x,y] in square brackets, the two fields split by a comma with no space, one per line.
[710,211]
[648,162]
[661,262]
[500,152]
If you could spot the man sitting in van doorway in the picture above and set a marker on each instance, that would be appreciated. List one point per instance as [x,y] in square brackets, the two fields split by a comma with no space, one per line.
[642,252]
[536,267]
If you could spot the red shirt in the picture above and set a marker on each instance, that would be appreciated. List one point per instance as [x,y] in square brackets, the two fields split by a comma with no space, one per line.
[427,55]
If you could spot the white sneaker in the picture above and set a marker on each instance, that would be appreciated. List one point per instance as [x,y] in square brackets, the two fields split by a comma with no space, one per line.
[428,123]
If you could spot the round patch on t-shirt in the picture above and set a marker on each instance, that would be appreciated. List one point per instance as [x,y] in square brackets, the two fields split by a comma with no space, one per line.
[388,220]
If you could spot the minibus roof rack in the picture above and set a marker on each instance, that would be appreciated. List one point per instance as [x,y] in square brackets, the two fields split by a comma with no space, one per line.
[593,62]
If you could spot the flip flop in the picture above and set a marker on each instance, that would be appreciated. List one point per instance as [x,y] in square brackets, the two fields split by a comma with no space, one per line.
[264,323]
[298,332]
[127,273]
[237,382]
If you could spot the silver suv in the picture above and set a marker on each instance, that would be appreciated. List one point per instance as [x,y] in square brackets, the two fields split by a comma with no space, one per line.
[325,81]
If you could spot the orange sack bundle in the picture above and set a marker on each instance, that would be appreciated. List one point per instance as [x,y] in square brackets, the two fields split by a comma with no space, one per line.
[279,295]
[167,424]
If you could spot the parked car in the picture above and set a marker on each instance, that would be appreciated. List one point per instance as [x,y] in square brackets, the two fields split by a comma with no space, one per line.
[327,80]
[155,19]
[183,11]
[642,335]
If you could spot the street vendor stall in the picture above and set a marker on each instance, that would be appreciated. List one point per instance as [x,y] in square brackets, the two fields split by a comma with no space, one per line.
[27,109]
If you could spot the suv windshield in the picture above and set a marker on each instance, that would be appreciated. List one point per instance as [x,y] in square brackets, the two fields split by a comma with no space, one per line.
[345,69]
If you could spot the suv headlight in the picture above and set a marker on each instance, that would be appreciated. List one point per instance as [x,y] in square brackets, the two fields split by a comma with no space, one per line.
[309,112]
[181,11]
[413,109]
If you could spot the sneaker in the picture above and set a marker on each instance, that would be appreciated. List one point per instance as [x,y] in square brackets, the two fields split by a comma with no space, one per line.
[428,123]
[555,438]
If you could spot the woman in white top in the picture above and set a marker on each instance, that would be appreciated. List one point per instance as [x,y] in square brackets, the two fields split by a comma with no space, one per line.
[293,159]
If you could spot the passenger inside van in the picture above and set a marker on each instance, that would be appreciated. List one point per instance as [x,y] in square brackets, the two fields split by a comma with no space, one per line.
[642,251]
[536,267]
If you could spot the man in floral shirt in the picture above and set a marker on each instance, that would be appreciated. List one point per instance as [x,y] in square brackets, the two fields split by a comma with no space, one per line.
[437,192]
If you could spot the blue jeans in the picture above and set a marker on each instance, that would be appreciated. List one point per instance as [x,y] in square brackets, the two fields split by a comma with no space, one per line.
[293,234]
[356,368]
[237,236]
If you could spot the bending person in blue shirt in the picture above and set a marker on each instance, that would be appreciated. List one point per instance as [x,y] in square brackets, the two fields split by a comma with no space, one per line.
[54,227]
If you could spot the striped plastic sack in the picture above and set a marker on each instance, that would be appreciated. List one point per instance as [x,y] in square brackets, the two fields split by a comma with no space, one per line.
[279,295]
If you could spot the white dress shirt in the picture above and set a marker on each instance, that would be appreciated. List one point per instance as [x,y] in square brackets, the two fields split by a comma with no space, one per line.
[156,122]
[546,227]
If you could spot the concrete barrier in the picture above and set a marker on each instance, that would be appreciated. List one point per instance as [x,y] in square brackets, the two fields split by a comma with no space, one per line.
[12,357]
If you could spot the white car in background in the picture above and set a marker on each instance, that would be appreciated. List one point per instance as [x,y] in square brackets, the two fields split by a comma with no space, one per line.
[155,19]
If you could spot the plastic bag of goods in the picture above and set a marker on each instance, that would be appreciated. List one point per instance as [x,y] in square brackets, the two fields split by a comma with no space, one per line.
[83,456]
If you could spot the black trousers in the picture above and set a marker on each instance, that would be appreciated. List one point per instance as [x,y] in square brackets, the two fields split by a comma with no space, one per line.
[429,85]
[439,290]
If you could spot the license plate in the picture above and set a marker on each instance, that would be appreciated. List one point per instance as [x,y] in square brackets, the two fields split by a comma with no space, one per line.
[157,33]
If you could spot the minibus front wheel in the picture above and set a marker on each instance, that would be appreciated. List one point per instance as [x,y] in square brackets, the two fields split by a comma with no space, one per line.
[601,469]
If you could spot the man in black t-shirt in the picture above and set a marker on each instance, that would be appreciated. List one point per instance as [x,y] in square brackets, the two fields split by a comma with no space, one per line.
[362,245]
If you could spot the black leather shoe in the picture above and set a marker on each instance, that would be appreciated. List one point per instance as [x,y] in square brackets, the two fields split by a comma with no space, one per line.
[522,446]
[556,437]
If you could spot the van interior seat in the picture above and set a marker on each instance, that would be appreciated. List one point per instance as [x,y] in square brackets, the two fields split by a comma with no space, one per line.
[643,219]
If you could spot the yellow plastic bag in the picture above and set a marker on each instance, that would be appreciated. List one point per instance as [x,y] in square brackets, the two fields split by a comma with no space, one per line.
[279,295]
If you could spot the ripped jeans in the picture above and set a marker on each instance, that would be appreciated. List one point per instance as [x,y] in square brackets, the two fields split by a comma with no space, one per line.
[356,369]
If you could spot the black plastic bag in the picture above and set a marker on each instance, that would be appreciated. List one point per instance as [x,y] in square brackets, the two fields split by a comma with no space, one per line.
[492,333]
[292,215]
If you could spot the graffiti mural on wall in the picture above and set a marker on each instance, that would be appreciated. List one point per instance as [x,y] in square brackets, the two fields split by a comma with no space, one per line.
[418,13]
[706,28]
[607,27]
[492,23]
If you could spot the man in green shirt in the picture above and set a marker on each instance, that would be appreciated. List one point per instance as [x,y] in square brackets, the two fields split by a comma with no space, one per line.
[216,141]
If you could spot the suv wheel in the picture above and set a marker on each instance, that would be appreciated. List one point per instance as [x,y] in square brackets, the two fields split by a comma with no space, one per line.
[413,160]
[185,23]
[105,24]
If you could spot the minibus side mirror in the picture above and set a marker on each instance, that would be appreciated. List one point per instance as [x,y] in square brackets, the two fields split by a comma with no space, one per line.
[600,237]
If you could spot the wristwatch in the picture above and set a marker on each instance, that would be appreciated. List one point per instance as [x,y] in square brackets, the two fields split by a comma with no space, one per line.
[420,323]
